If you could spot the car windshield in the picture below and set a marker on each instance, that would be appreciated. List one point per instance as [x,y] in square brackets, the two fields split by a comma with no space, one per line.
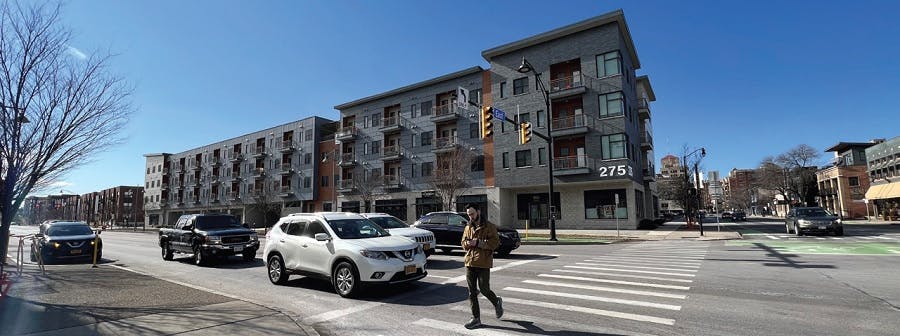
[356,228]
[388,222]
[812,213]
[217,222]
[69,230]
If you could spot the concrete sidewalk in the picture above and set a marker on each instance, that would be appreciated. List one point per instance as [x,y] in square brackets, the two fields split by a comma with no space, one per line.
[77,300]
[667,231]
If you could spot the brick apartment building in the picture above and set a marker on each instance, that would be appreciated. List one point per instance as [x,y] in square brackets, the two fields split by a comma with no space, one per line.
[843,185]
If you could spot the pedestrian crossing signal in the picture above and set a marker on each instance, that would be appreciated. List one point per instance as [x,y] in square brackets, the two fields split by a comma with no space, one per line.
[487,122]
[524,133]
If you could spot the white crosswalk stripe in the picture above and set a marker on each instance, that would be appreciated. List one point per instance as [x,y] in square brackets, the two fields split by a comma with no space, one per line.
[638,267]
[657,256]
[618,282]
[601,312]
[647,262]
[655,260]
[605,289]
[631,276]
[594,298]
[457,328]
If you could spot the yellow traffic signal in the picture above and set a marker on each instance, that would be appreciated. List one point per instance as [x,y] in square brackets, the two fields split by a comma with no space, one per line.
[524,133]
[487,122]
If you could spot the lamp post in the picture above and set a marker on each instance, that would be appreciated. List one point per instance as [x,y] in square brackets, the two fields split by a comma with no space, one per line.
[687,182]
[525,68]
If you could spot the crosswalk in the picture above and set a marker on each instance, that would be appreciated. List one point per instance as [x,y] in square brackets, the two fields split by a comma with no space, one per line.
[638,288]
[847,238]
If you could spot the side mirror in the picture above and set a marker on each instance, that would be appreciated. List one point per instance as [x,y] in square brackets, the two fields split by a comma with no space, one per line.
[322,237]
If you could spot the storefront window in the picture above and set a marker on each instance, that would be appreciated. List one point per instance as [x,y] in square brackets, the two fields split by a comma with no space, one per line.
[600,204]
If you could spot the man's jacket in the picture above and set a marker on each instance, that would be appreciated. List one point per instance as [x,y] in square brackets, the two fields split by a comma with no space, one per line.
[481,255]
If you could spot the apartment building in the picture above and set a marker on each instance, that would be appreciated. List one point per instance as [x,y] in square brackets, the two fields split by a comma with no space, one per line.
[843,184]
[256,176]
[883,167]
[119,206]
[410,138]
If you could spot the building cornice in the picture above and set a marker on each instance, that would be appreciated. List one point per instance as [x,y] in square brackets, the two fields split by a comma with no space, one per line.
[436,80]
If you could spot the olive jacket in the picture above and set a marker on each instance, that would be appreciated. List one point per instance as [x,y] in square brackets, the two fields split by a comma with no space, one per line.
[482,255]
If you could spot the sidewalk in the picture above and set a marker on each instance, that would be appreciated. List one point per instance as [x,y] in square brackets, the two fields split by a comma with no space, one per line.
[77,300]
[667,231]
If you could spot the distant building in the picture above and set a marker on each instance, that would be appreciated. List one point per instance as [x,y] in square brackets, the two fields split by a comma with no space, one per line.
[120,206]
[671,175]
[883,161]
[842,184]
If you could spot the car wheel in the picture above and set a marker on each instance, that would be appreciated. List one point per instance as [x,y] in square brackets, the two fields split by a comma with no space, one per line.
[199,258]
[787,228]
[346,281]
[503,252]
[447,250]
[249,255]
[277,274]
[798,231]
[167,253]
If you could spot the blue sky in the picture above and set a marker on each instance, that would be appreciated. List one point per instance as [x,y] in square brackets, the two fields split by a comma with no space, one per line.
[743,79]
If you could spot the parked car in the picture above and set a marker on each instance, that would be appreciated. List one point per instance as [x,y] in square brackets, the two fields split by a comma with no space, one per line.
[61,240]
[726,215]
[812,219]
[448,227]
[739,215]
[208,236]
[398,228]
[347,249]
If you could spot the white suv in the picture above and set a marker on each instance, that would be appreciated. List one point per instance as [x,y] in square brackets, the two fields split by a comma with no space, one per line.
[398,228]
[345,248]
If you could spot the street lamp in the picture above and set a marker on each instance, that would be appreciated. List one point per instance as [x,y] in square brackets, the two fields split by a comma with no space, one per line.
[687,201]
[525,68]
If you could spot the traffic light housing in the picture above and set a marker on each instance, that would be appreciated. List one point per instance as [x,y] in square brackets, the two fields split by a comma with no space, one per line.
[487,122]
[524,133]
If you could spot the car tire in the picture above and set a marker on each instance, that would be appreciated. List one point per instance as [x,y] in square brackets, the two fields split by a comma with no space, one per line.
[277,273]
[199,257]
[345,280]
[167,253]
[798,231]
[503,253]
[249,255]
[787,228]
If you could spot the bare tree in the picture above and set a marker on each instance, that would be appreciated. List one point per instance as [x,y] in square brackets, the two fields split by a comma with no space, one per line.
[801,163]
[451,178]
[59,106]
[367,186]
[265,199]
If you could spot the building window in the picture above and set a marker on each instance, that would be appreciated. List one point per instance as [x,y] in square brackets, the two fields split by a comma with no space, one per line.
[426,108]
[611,104]
[523,158]
[475,96]
[613,146]
[505,160]
[520,85]
[600,204]
[502,89]
[376,120]
[427,167]
[309,135]
[426,138]
[854,181]
[412,170]
[148,170]
[473,131]
[478,164]
[541,116]
[307,182]
[325,181]
[608,64]
[365,121]
[376,147]
[542,156]
[413,110]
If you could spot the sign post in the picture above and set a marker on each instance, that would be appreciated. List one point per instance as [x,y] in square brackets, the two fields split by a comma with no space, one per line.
[616,214]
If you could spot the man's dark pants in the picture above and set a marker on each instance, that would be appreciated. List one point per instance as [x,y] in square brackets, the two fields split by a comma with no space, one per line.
[479,278]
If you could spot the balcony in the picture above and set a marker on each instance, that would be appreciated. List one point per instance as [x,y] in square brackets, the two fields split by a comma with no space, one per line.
[287,146]
[214,200]
[643,108]
[572,125]
[165,171]
[196,183]
[179,169]
[215,161]
[391,153]
[257,192]
[163,202]
[445,144]
[164,186]
[646,141]
[649,175]
[259,173]
[391,182]
[235,157]
[195,200]
[346,185]
[196,166]
[391,124]
[214,180]
[259,152]
[567,86]
[234,196]
[346,133]
[348,160]
[572,165]
[180,201]
[444,113]
[286,169]
[236,175]
[285,191]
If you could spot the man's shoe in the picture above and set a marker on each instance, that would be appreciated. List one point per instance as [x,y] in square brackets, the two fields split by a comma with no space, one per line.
[498,309]
[473,323]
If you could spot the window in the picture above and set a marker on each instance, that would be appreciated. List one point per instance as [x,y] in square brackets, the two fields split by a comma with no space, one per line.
[412,170]
[523,158]
[541,116]
[542,156]
[426,138]
[309,135]
[414,138]
[307,182]
[474,131]
[366,121]
[376,147]
[611,104]
[600,204]
[478,163]
[413,110]
[426,108]
[307,158]
[608,64]
[427,167]
[148,171]
[613,146]
[854,181]
[146,184]
[520,86]
[475,96]
[325,181]
[505,160]
[376,120]
[502,89]
[336,180]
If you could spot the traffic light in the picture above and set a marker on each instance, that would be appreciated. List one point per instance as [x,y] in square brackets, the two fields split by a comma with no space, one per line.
[487,122]
[524,133]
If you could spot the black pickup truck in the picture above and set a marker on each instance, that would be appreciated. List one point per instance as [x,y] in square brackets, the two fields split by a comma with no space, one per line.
[208,236]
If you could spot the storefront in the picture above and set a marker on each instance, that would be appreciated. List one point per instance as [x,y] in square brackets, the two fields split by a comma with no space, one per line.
[393,207]
[884,199]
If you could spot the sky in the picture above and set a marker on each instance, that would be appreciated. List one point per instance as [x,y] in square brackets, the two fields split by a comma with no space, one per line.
[743,79]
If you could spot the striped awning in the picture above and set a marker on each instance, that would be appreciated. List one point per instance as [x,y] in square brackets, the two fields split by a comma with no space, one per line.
[883,191]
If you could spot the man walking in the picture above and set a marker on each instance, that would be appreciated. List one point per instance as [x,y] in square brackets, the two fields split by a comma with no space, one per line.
[479,240]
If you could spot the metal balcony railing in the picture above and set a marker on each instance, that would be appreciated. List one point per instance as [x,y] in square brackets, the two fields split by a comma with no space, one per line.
[571,162]
[445,142]
[444,110]
[643,103]
[391,179]
[565,83]
[286,166]
[569,122]
[346,184]
[346,131]
[646,138]
[391,150]
[390,121]
[348,157]
[236,156]
[284,189]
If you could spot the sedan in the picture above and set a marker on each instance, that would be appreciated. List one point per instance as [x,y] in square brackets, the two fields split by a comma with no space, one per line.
[448,229]
[66,241]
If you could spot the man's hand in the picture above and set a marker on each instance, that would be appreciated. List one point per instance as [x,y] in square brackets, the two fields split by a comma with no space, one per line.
[472,242]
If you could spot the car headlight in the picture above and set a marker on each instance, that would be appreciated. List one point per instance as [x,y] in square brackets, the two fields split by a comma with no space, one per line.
[92,242]
[377,255]
[254,236]
[804,222]
[55,245]
[214,239]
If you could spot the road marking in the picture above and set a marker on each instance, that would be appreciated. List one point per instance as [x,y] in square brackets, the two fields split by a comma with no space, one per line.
[568,326]
[438,276]
[887,238]
[638,249]
[866,238]
[600,312]
[457,328]
[606,289]
[645,259]
[462,278]
[607,264]
[594,298]
[618,282]
[836,238]
[630,271]
[645,262]
[772,237]
[656,256]
[620,275]
[820,238]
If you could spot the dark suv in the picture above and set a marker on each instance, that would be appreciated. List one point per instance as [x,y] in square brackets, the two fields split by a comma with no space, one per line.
[448,229]
[59,240]
[208,236]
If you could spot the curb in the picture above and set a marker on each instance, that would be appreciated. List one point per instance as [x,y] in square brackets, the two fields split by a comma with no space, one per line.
[571,243]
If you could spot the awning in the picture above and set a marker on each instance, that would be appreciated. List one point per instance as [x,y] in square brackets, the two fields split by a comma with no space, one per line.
[883,191]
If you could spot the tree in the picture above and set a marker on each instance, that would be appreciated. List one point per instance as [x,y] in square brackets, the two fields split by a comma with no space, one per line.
[58,108]
[451,178]
[801,163]
[265,199]
[367,186]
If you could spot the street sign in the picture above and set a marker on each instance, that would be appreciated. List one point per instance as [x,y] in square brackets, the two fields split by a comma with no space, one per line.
[499,114]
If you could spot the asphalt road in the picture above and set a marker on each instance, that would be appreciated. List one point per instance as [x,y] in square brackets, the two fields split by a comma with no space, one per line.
[750,287]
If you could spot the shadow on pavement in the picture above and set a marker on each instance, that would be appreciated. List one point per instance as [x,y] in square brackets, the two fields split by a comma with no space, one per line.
[786,259]
[227,263]
[444,264]
[416,294]
[531,328]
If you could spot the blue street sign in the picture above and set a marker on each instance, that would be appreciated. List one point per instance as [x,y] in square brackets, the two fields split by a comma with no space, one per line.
[499,114]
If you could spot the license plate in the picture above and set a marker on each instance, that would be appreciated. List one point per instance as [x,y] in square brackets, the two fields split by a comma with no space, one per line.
[426,246]
[410,269]
[823,227]
[238,248]
[75,252]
